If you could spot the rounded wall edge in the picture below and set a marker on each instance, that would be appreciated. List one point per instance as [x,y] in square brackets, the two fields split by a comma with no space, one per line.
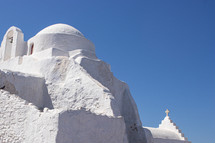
[63,42]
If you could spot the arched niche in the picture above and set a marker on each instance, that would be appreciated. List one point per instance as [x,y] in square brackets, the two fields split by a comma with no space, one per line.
[9,44]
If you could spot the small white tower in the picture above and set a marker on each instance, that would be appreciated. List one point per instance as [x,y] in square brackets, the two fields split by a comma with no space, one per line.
[167,132]
[13,44]
[168,124]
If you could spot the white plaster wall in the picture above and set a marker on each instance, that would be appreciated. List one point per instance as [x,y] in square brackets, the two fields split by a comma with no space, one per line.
[41,127]
[84,127]
[73,86]
[21,122]
[6,48]
[160,135]
[168,124]
[25,64]
[148,135]
[100,71]
[12,118]
[20,47]
[81,53]
[24,123]
[50,53]
[68,84]
[29,88]
[59,41]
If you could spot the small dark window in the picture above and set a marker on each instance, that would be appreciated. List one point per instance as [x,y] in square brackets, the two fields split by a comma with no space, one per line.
[32,49]
[11,39]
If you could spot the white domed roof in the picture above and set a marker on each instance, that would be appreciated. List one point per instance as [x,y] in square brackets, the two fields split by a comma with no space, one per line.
[163,133]
[61,29]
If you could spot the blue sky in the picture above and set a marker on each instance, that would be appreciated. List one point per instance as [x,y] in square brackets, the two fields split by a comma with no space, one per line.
[163,49]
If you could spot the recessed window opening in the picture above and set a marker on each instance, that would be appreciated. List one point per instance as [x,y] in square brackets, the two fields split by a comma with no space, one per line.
[31,48]
[11,39]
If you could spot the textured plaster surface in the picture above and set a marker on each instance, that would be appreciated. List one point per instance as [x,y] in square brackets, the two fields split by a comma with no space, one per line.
[62,93]
[72,86]
[167,132]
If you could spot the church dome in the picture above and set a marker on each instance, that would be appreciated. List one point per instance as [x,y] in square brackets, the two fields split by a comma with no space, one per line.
[61,29]
[60,36]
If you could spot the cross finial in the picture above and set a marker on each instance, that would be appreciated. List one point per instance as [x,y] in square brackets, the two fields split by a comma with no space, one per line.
[167,112]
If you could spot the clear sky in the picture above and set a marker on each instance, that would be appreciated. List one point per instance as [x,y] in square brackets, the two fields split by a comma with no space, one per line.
[163,49]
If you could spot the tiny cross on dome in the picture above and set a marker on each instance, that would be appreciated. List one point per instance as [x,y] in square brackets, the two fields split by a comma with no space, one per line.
[167,112]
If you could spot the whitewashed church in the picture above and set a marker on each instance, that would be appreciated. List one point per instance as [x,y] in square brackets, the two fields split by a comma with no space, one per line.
[53,89]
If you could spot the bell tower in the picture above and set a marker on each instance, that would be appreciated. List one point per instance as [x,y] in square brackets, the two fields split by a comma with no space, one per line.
[13,44]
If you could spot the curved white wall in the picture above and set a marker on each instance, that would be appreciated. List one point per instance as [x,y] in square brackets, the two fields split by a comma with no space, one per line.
[59,41]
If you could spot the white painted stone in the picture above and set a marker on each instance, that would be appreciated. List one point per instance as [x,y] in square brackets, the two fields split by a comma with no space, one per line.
[61,28]
[73,96]
[167,132]
[55,90]
[50,53]
[59,36]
